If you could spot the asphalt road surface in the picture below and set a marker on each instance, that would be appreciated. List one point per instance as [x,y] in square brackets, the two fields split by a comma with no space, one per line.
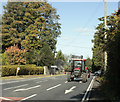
[47,88]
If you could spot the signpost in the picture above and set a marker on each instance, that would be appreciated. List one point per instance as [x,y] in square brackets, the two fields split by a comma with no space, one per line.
[18,68]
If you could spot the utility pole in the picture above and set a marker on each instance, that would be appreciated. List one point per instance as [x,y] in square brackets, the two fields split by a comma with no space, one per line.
[105,53]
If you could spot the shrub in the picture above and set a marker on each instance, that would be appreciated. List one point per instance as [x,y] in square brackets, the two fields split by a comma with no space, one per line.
[10,70]
[14,55]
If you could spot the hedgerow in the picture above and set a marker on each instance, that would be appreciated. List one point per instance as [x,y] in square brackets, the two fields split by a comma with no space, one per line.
[10,70]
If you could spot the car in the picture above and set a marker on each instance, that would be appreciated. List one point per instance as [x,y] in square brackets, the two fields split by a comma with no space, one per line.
[97,73]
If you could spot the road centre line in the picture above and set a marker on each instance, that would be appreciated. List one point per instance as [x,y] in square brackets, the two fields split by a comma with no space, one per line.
[53,87]
[27,97]
[88,89]
[27,88]
[15,87]
[6,99]
[8,82]
[26,80]
[41,81]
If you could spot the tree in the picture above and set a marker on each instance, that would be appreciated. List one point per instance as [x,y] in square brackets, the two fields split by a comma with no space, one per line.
[112,46]
[89,63]
[29,24]
[13,55]
[60,56]
[98,49]
[46,57]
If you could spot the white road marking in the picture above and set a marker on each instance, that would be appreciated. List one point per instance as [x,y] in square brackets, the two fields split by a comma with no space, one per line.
[66,81]
[15,87]
[53,87]
[88,89]
[8,82]
[26,88]
[70,90]
[41,81]
[17,81]
[6,99]
[80,82]
[28,97]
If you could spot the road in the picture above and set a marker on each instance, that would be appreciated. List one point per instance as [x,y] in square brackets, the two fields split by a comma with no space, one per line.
[47,88]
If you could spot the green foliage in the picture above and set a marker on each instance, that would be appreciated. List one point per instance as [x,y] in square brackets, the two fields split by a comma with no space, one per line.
[10,70]
[60,55]
[113,50]
[112,46]
[30,24]
[4,59]
[98,49]
[46,56]
[89,63]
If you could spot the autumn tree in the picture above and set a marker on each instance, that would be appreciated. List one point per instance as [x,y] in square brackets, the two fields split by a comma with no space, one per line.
[13,55]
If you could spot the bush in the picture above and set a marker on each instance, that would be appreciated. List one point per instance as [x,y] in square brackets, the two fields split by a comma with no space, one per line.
[13,55]
[10,70]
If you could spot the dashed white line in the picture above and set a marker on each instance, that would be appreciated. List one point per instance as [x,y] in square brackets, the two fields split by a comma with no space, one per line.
[53,87]
[15,87]
[17,81]
[41,81]
[26,88]
[28,97]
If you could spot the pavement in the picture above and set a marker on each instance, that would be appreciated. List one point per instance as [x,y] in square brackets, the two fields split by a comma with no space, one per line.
[51,88]
[97,94]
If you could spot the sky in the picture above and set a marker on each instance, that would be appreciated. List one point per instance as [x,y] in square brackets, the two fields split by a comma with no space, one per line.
[78,22]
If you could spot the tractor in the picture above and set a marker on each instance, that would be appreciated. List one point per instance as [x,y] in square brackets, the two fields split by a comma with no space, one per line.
[77,69]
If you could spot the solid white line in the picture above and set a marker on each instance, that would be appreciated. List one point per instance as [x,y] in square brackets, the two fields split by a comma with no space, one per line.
[15,87]
[6,99]
[90,86]
[26,88]
[53,87]
[28,97]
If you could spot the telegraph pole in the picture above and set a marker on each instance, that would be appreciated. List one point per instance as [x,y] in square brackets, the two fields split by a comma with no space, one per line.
[105,53]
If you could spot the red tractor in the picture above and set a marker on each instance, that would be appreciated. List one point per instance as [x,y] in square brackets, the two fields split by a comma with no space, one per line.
[77,69]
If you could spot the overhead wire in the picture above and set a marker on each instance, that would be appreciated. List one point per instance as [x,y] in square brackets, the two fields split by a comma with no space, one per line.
[87,23]
[91,17]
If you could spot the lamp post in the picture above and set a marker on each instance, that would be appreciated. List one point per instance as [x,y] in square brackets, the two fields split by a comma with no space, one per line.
[105,53]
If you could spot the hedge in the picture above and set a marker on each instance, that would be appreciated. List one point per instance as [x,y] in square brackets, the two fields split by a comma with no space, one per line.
[10,70]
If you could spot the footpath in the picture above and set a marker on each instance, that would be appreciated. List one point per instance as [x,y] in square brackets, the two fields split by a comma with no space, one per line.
[97,93]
